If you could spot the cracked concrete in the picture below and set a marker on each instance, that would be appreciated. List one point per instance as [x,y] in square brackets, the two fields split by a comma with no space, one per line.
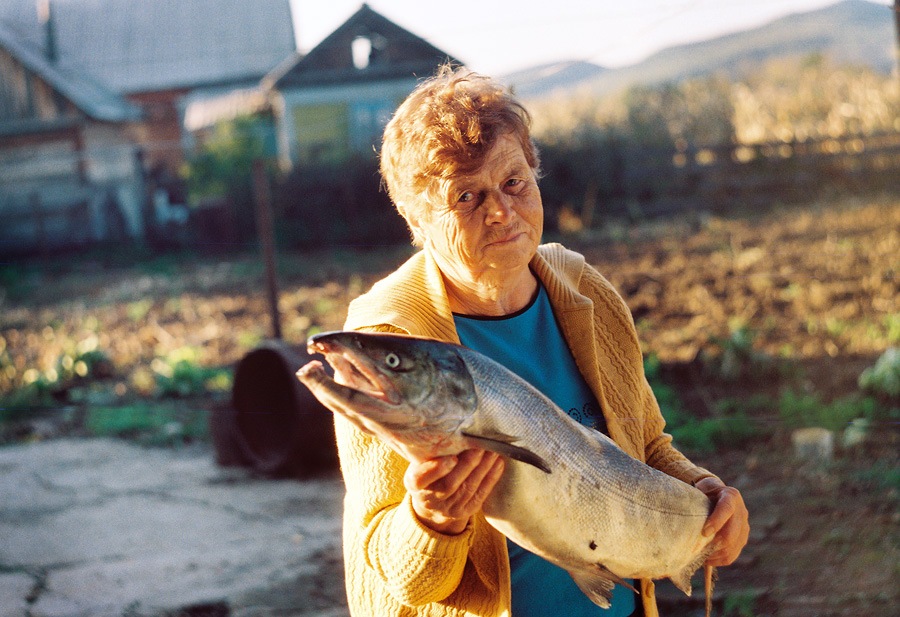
[101,528]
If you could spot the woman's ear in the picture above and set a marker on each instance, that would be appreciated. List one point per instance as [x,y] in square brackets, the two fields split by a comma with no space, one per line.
[410,215]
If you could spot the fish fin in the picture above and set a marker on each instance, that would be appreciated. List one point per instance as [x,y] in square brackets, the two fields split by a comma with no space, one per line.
[710,576]
[492,434]
[502,444]
[597,584]
[682,580]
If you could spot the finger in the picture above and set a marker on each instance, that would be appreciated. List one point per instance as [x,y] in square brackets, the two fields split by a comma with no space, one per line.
[473,490]
[724,510]
[491,477]
[480,472]
[722,556]
[730,539]
[422,476]
[468,461]
[471,494]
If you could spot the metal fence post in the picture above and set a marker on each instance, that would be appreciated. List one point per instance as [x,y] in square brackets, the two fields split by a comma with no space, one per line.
[263,200]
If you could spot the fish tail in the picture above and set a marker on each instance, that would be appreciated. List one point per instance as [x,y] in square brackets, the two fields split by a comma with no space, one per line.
[709,582]
[682,580]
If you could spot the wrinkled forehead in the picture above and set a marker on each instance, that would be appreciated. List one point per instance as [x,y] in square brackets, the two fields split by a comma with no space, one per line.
[504,158]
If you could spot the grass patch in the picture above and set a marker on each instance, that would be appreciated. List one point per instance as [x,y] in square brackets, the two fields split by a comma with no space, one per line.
[22,402]
[740,604]
[881,476]
[735,357]
[807,410]
[701,435]
[163,424]
[17,280]
[180,375]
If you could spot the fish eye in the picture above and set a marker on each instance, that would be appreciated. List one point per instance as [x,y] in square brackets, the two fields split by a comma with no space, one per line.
[392,360]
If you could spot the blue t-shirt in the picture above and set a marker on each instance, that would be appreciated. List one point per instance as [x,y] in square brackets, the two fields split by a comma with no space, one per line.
[530,344]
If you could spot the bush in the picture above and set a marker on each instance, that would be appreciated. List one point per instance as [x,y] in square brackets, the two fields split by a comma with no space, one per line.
[222,169]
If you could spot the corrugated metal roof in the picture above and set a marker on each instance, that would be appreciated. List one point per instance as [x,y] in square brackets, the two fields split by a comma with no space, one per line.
[91,98]
[145,45]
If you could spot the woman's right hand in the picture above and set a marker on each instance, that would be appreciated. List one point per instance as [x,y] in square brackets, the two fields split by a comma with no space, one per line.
[448,490]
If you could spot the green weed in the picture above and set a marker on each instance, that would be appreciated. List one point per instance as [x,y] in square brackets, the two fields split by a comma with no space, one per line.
[739,604]
[180,375]
[735,357]
[892,328]
[137,311]
[22,402]
[807,410]
[93,364]
[149,423]
[881,475]
[708,434]
[695,434]
[249,339]
[884,377]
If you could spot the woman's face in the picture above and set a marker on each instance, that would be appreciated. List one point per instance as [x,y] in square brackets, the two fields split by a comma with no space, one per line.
[493,221]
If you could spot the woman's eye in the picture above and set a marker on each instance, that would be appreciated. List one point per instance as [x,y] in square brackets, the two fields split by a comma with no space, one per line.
[466,197]
[392,360]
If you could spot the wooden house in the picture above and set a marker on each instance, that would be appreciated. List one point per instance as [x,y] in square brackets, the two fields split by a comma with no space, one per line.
[333,102]
[93,95]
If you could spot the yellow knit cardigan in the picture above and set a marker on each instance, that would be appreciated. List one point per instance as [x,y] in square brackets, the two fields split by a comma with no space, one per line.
[397,567]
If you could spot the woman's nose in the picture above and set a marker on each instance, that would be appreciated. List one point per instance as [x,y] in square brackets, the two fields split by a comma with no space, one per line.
[499,208]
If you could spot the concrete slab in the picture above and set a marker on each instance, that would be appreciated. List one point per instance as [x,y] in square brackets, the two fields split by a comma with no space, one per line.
[15,590]
[99,527]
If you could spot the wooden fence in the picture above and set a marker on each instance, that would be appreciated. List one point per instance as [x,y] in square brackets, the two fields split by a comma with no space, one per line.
[63,200]
[621,178]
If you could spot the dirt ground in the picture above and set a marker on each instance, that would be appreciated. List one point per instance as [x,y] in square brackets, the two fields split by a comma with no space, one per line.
[816,287]
[819,288]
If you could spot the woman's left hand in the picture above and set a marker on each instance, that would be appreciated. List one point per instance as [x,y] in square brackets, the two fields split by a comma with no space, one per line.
[729,521]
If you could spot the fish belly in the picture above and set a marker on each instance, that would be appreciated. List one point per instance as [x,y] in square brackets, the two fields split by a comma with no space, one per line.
[598,505]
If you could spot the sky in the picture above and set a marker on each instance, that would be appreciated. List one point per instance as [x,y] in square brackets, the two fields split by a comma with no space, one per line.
[497,37]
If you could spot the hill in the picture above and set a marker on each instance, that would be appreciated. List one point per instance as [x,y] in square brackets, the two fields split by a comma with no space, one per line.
[546,78]
[849,32]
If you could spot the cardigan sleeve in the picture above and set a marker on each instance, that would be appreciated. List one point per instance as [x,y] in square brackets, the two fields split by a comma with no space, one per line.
[415,564]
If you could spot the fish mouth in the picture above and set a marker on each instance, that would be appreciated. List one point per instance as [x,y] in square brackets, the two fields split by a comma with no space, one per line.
[356,372]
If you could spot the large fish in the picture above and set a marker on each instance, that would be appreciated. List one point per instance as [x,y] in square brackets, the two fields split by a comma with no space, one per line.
[569,494]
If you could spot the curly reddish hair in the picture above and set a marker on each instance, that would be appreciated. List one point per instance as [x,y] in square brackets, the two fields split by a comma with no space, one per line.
[444,129]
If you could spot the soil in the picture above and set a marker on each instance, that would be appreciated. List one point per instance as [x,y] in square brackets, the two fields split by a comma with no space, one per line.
[813,289]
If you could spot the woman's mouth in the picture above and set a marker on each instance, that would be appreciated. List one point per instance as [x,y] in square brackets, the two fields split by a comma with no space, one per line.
[507,238]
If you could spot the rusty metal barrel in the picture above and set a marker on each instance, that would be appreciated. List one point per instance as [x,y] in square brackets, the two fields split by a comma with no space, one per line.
[275,425]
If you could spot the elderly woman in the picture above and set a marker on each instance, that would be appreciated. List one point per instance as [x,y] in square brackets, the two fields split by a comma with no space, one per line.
[461,168]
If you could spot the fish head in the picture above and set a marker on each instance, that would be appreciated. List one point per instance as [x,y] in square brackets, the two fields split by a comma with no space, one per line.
[411,392]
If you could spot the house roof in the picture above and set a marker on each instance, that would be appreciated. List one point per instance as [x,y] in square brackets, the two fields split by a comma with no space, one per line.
[135,46]
[91,98]
[396,53]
